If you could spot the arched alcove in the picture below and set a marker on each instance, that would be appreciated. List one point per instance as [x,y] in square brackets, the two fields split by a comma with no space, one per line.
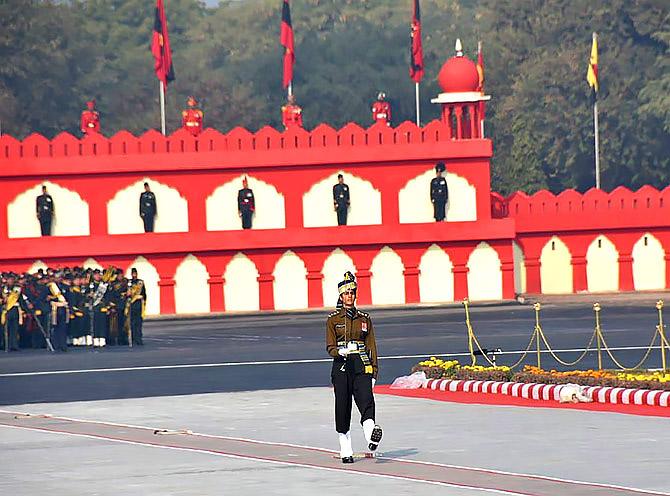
[602,266]
[148,273]
[648,263]
[241,287]
[436,280]
[484,274]
[414,203]
[92,263]
[555,268]
[290,284]
[519,269]
[365,209]
[191,290]
[37,265]
[222,213]
[387,282]
[123,211]
[337,263]
[70,213]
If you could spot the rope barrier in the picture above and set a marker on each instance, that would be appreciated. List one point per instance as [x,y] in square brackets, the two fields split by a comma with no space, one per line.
[538,337]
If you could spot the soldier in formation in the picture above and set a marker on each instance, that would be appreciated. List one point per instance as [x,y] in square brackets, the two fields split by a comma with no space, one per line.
[45,211]
[341,200]
[350,341]
[439,193]
[246,206]
[148,209]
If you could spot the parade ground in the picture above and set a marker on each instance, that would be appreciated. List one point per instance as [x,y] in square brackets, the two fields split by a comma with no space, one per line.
[248,409]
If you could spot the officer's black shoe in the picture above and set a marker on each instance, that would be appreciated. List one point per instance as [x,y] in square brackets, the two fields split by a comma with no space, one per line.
[348,459]
[375,437]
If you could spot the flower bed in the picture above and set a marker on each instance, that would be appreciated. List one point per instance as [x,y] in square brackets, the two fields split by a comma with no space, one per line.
[436,368]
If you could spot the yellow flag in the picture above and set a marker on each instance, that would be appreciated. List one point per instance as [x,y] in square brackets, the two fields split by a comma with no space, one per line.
[592,73]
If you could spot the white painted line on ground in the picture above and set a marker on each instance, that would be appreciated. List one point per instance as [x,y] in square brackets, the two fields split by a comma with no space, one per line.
[282,362]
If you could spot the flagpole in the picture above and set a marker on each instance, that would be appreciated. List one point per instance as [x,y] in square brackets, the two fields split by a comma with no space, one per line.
[418,110]
[595,130]
[161,89]
[290,88]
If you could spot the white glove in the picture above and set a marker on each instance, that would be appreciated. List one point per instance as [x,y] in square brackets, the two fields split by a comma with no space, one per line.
[343,352]
[373,382]
[351,346]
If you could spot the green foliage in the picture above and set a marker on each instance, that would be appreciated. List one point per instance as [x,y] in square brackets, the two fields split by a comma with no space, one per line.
[58,54]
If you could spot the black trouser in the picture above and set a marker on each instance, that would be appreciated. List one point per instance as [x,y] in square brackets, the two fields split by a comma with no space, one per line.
[348,383]
[136,322]
[45,225]
[37,336]
[99,323]
[342,211]
[246,219]
[438,209]
[148,220]
[11,329]
[59,333]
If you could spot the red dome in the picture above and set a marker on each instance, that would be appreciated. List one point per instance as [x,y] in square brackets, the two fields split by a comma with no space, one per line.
[458,74]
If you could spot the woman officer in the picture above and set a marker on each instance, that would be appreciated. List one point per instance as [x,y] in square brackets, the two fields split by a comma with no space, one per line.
[350,340]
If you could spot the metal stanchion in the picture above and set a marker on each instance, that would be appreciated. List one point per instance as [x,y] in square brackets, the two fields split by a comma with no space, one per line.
[538,332]
[596,309]
[661,331]
[466,304]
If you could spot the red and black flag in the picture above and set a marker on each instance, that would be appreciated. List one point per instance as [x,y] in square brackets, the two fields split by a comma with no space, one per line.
[416,63]
[160,46]
[286,39]
[480,72]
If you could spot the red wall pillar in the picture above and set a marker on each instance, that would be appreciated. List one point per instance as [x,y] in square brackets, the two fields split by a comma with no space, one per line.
[626,282]
[412,294]
[364,292]
[460,281]
[458,110]
[216,302]
[579,281]
[507,269]
[166,286]
[533,277]
[266,291]
[315,289]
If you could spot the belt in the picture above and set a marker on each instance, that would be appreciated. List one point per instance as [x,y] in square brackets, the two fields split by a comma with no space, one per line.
[361,352]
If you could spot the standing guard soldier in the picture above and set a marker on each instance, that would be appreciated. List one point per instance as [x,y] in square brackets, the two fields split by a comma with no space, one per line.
[381,110]
[90,119]
[45,211]
[99,307]
[291,114]
[78,315]
[350,340]
[191,118]
[341,200]
[11,316]
[60,313]
[148,209]
[439,193]
[246,205]
[135,306]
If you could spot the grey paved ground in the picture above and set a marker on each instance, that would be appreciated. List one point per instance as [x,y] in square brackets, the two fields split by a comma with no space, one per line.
[576,445]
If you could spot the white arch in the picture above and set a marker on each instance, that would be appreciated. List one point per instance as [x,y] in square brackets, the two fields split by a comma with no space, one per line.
[148,273]
[222,213]
[648,263]
[519,269]
[191,290]
[70,213]
[484,274]
[37,265]
[555,267]
[414,203]
[387,282]
[436,278]
[366,204]
[333,271]
[92,263]
[602,265]
[123,211]
[240,290]
[290,284]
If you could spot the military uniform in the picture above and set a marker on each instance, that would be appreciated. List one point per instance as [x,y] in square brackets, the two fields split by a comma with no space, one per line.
[11,316]
[246,206]
[45,212]
[439,194]
[60,314]
[135,305]
[148,210]
[192,117]
[341,202]
[98,298]
[381,112]
[350,340]
[291,115]
[90,120]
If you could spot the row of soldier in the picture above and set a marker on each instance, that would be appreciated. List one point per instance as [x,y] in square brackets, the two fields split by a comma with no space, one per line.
[246,203]
[192,117]
[71,307]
